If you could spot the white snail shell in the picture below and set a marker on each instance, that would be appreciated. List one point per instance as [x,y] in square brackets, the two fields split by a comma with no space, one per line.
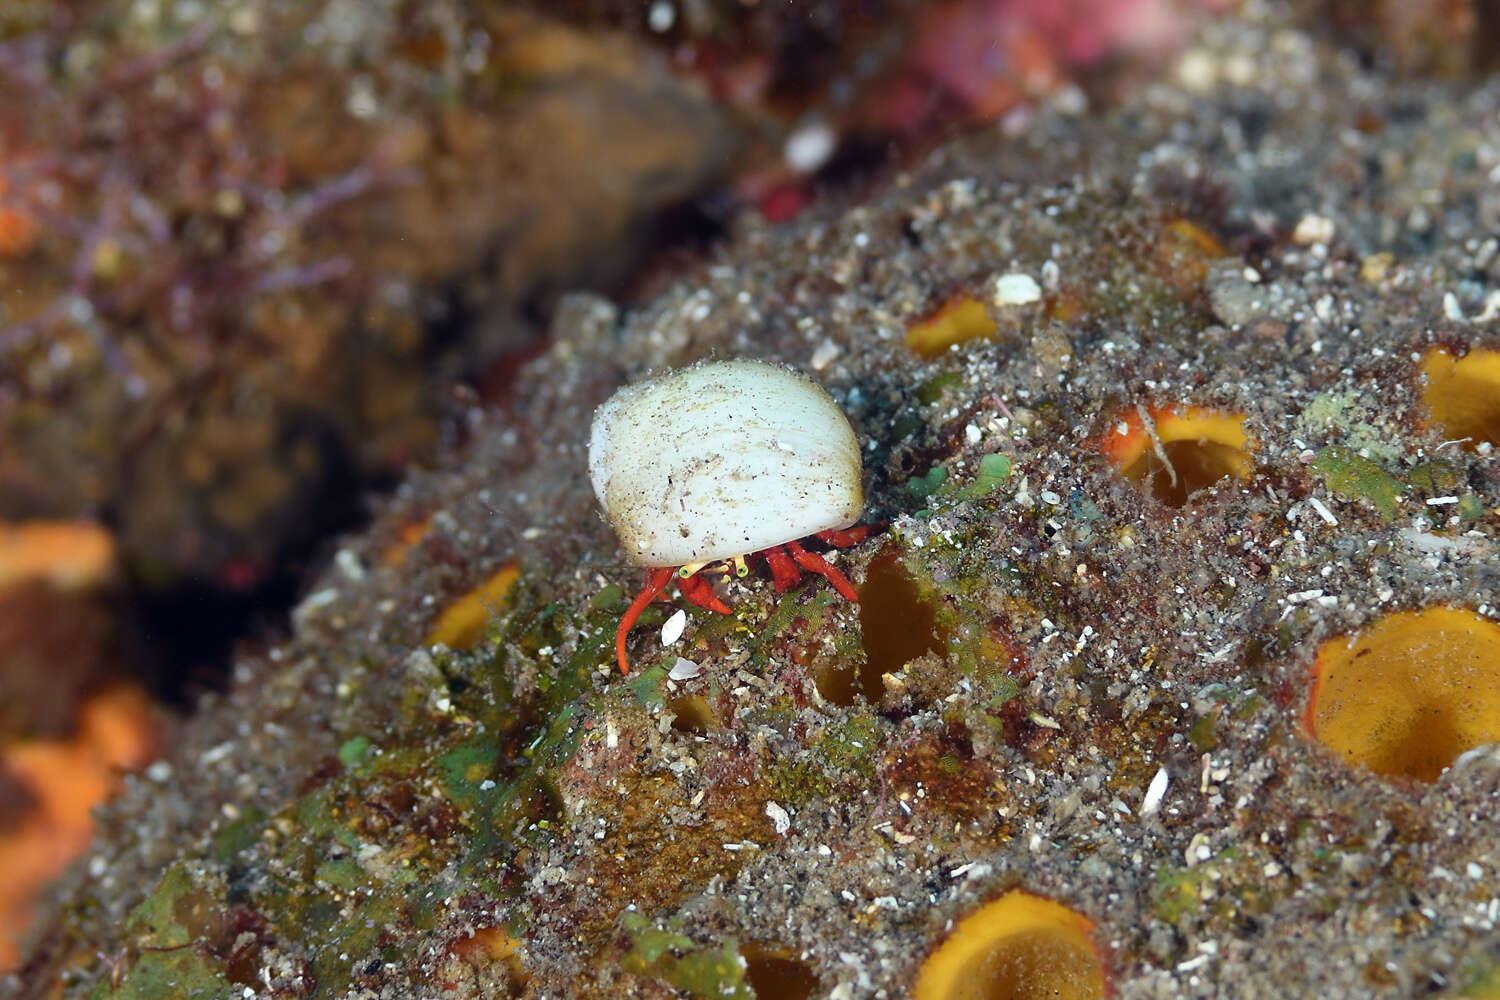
[722,459]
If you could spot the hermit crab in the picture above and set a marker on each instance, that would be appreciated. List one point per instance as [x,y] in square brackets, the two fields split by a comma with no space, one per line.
[702,467]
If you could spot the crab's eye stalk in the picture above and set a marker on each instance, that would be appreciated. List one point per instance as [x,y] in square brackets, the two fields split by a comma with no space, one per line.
[711,463]
[722,459]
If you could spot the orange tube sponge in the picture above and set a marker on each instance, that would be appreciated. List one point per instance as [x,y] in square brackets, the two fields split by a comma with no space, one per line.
[18,229]
[955,322]
[1019,947]
[461,624]
[116,732]
[68,555]
[1463,395]
[1201,446]
[1410,694]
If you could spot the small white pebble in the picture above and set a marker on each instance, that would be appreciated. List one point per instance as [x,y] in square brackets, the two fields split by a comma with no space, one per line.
[779,817]
[349,564]
[1198,70]
[672,630]
[661,16]
[1313,228]
[824,355]
[1051,276]
[809,147]
[1015,290]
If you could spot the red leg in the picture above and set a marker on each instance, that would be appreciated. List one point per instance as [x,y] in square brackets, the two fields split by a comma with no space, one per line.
[842,538]
[656,582]
[698,591]
[784,572]
[814,563]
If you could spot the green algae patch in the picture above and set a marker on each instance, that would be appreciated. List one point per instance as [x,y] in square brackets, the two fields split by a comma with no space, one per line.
[715,972]
[998,690]
[937,483]
[795,781]
[353,751]
[1203,734]
[466,768]
[503,778]
[1177,893]
[1481,981]
[1440,478]
[994,469]
[183,974]
[1220,889]
[354,872]
[1226,705]
[846,750]
[342,874]
[1437,477]
[924,486]
[1353,475]
[502,813]
[315,817]
[1347,415]
[610,596]
[851,746]
[165,935]
[645,684]
[932,390]
[239,835]
[788,609]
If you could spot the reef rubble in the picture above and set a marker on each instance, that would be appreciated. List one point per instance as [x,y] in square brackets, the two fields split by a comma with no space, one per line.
[1131,500]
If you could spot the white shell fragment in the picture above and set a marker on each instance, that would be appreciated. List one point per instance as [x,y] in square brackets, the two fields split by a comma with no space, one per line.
[722,459]
[671,629]
[684,670]
[1155,792]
